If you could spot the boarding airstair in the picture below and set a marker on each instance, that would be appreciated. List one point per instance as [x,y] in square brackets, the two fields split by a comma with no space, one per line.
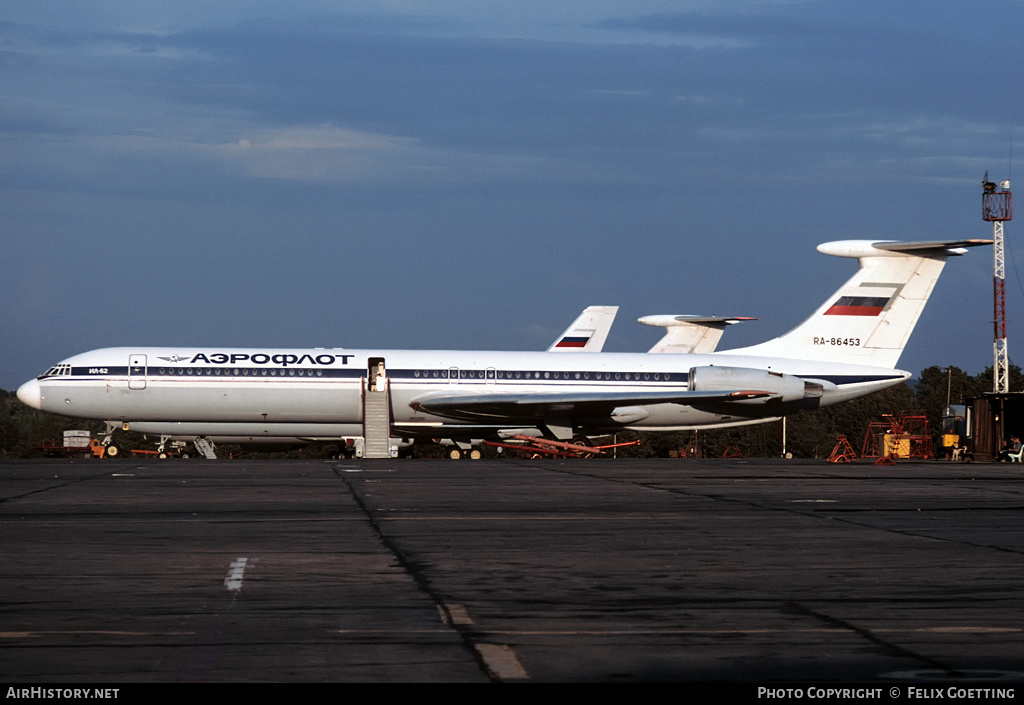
[377,421]
[205,446]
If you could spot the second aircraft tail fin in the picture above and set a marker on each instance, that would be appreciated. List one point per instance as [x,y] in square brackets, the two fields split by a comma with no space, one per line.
[588,332]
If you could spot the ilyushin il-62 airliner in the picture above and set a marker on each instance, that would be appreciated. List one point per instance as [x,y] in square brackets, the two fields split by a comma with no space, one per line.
[378,400]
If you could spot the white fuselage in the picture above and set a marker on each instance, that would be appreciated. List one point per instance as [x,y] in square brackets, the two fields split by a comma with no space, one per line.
[318,394]
[847,348]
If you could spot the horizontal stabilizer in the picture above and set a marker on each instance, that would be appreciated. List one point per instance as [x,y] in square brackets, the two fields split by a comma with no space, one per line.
[690,334]
[892,248]
[950,246]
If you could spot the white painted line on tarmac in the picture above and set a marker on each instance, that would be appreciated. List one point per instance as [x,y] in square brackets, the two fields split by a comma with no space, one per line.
[459,615]
[502,661]
[234,579]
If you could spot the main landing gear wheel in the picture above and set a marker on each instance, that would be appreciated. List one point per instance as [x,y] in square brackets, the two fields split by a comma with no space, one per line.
[454,454]
[112,451]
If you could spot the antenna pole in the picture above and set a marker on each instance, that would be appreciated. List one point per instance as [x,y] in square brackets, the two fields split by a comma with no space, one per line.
[997,207]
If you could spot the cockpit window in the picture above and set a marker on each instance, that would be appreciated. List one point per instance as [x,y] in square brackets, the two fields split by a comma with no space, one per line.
[61,370]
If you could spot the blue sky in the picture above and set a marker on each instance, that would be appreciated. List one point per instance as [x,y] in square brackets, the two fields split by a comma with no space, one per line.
[471,175]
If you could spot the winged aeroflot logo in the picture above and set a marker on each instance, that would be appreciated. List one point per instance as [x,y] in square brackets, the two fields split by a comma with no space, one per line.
[174,358]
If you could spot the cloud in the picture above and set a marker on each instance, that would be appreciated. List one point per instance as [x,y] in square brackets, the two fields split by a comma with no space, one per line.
[320,153]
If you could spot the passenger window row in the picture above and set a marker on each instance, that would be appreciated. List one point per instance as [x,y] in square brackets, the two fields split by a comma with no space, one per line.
[535,374]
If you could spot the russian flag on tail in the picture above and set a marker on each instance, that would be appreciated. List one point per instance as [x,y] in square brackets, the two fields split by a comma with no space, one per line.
[865,301]
[857,306]
[574,341]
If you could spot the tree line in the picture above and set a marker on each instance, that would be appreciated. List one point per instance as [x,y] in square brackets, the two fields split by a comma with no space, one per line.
[812,434]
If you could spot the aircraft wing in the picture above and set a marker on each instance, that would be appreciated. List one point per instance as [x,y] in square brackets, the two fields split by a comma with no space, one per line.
[531,407]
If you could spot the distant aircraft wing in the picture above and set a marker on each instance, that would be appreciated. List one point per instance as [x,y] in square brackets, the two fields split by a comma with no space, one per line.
[531,407]
[690,334]
[588,332]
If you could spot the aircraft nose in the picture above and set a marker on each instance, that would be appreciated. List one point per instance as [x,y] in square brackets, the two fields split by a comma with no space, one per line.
[30,394]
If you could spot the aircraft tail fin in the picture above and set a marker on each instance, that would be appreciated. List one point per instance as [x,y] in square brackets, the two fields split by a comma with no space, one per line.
[869,319]
[588,332]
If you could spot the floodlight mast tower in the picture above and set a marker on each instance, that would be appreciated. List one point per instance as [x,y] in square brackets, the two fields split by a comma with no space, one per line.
[997,207]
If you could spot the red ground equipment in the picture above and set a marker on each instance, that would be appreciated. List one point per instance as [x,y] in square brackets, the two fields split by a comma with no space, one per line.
[903,435]
[532,447]
[843,452]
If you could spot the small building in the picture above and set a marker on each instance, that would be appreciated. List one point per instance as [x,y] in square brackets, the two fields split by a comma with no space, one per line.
[991,419]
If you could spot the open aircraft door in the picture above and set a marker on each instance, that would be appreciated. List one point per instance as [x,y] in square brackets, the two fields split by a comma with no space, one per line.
[376,375]
[136,372]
